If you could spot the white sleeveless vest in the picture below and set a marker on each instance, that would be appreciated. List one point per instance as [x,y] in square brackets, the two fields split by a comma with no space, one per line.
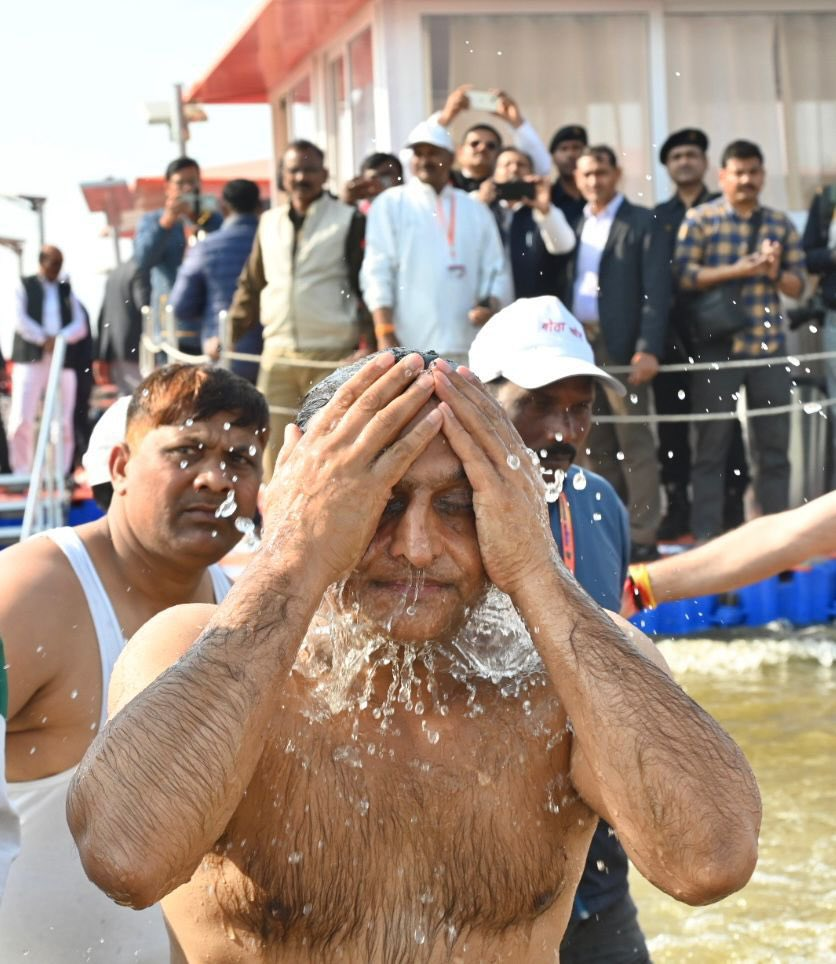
[51,913]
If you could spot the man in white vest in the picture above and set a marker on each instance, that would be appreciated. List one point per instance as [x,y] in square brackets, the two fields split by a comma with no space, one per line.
[301,283]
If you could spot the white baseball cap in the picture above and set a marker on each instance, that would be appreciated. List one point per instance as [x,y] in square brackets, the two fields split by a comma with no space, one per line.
[534,342]
[429,133]
[107,433]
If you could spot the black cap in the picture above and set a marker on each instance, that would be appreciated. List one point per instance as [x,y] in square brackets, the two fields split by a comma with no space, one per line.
[571,132]
[692,136]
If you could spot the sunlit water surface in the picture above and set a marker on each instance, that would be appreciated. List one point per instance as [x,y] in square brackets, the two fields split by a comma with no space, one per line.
[775,694]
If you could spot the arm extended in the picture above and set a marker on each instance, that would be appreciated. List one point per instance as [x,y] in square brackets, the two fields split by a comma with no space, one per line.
[754,551]
[159,786]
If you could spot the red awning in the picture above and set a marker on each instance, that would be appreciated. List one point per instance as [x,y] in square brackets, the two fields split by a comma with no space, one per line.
[282,34]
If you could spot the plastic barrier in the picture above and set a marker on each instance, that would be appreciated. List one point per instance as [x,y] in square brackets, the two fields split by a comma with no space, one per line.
[805,596]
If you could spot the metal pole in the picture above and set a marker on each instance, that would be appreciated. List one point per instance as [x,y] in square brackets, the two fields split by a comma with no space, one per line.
[178,121]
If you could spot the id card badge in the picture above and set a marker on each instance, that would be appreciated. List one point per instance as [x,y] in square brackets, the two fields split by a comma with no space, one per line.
[457,271]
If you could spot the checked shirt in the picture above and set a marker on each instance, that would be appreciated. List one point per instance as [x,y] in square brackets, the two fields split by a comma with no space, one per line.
[713,235]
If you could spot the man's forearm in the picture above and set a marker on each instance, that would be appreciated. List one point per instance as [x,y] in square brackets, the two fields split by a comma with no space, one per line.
[174,763]
[676,787]
[707,277]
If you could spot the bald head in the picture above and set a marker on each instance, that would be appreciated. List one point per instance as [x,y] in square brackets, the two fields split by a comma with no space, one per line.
[51,261]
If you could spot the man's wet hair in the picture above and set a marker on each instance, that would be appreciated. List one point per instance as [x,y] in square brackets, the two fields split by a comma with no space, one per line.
[179,164]
[601,152]
[175,393]
[322,393]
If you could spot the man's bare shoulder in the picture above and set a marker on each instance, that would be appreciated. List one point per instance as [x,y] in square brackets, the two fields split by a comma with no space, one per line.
[41,598]
[161,642]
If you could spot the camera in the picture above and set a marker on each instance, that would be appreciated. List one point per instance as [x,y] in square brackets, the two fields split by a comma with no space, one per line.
[516,190]
[482,100]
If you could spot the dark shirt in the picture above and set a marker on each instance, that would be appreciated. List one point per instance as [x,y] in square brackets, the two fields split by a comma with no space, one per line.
[602,551]
[669,215]
[815,242]
[465,183]
[571,206]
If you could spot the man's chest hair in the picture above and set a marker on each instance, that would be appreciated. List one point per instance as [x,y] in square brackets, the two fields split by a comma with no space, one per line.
[377,845]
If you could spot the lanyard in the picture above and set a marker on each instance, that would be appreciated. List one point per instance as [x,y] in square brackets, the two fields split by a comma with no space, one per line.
[567,533]
[449,227]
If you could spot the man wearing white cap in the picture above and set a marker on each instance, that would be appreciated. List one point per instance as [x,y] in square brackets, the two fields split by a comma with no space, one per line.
[534,357]
[434,267]
[171,455]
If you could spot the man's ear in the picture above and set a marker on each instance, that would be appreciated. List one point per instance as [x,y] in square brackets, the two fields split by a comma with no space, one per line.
[117,463]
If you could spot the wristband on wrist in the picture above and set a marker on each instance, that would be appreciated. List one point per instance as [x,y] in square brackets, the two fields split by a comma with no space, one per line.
[642,588]
[384,328]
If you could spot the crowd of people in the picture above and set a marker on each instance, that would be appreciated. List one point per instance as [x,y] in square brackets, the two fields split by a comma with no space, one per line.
[276,801]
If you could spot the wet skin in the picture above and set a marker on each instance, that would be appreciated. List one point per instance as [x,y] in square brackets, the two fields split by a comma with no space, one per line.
[274,830]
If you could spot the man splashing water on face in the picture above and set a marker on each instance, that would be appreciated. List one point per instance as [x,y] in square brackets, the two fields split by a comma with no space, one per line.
[276,826]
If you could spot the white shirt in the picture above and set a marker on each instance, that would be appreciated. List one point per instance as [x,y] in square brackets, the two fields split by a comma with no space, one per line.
[431,258]
[31,331]
[593,240]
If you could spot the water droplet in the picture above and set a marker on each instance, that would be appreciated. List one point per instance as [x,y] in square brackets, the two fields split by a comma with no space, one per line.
[811,408]
[252,450]
[634,399]
[619,456]
[543,453]
[227,426]
[214,533]
[189,422]
[513,462]
[184,463]
[681,394]
[73,694]
[228,507]
[306,909]
[295,857]
[420,935]
[579,481]
[363,807]
[596,516]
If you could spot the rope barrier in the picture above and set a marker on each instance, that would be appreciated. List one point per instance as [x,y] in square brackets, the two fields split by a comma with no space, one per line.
[807,408]
[794,361]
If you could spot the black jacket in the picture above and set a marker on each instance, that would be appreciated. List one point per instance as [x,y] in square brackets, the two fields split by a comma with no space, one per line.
[635,284]
[120,317]
[819,256]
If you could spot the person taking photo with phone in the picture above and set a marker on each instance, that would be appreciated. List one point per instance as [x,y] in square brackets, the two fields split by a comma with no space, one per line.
[534,232]
[162,236]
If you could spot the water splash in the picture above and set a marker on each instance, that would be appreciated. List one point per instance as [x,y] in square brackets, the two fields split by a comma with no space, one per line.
[228,507]
[579,480]
[513,462]
[247,528]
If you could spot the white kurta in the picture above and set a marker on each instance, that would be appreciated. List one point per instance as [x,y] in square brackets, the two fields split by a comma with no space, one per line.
[431,258]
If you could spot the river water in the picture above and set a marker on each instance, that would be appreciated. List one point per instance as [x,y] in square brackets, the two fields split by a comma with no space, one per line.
[776,695]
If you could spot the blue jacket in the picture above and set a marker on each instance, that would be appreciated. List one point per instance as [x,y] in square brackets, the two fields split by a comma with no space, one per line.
[159,251]
[602,552]
[207,280]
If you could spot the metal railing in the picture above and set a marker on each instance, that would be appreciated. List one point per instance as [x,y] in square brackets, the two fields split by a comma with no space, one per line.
[46,500]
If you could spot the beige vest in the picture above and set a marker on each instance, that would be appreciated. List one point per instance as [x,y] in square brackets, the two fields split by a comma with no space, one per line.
[307,303]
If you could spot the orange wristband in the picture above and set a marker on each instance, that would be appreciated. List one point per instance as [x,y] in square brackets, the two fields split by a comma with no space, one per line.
[643,589]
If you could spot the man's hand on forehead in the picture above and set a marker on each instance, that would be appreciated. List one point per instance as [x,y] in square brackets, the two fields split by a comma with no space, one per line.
[512,521]
[332,482]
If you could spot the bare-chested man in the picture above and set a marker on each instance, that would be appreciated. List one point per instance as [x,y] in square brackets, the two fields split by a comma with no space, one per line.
[353,759]
[71,597]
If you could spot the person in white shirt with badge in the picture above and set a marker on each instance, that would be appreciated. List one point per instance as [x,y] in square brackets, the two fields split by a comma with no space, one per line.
[434,269]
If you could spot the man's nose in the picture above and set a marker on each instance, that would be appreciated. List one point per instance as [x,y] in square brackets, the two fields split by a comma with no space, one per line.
[416,538]
[217,477]
[564,427]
